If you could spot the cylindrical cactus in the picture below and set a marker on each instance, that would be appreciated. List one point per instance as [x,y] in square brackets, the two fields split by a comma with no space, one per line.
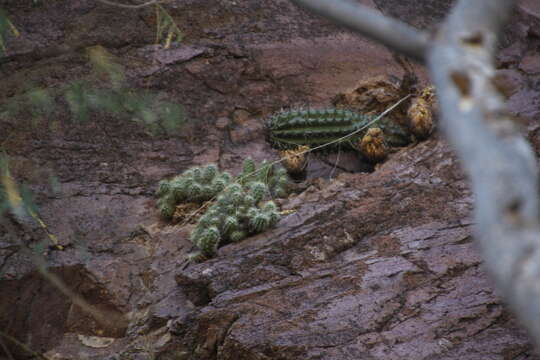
[198,175]
[230,223]
[237,198]
[163,187]
[248,200]
[237,235]
[290,129]
[195,191]
[259,222]
[235,188]
[209,241]
[207,193]
[258,190]
[210,172]
[218,185]
[249,166]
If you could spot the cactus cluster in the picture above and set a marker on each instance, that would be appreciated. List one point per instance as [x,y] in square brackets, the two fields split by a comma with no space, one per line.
[237,213]
[238,209]
[197,184]
[274,177]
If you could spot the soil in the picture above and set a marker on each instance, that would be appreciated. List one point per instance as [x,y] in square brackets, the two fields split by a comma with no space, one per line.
[365,265]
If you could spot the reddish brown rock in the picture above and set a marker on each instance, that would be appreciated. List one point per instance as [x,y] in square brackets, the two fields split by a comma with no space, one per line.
[378,265]
[530,64]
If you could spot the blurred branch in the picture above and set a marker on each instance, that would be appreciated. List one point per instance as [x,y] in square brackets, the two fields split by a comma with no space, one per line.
[21,345]
[500,163]
[20,208]
[371,23]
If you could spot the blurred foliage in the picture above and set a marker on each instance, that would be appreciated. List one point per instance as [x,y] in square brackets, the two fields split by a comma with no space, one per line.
[6,29]
[11,197]
[19,201]
[84,97]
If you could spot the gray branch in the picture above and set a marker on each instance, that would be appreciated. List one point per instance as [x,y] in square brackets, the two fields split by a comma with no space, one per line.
[500,163]
[392,33]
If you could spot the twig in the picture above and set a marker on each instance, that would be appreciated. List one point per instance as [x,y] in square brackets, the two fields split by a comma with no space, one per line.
[106,318]
[335,163]
[23,346]
[6,350]
[390,32]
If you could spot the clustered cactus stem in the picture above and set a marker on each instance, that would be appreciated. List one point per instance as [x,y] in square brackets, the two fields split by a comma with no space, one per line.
[275,178]
[239,209]
[236,214]
[198,184]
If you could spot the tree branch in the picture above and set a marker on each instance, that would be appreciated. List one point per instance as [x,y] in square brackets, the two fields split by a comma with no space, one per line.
[500,163]
[390,32]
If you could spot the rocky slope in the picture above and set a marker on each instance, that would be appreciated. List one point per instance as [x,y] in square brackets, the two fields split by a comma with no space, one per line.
[376,265]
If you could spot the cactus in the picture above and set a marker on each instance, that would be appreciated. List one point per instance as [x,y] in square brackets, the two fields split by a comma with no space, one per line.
[238,235]
[238,210]
[208,241]
[236,214]
[291,129]
[197,184]
[257,190]
[274,177]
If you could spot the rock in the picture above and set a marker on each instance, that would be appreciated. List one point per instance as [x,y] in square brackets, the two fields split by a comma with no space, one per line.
[240,116]
[223,123]
[509,81]
[249,131]
[510,55]
[530,64]
[374,265]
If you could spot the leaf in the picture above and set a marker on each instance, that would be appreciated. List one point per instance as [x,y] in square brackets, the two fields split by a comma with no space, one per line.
[6,27]
[166,28]
[95,341]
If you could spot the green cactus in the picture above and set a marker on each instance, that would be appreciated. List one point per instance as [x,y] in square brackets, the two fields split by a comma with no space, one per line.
[274,177]
[208,241]
[259,222]
[238,210]
[197,184]
[238,235]
[257,190]
[236,214]
[290,129]
[167,205]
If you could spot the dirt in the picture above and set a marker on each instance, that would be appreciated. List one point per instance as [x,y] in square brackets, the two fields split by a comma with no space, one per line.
[365,265]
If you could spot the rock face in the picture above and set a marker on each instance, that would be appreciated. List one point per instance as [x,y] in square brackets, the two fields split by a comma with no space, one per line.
[376,265]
